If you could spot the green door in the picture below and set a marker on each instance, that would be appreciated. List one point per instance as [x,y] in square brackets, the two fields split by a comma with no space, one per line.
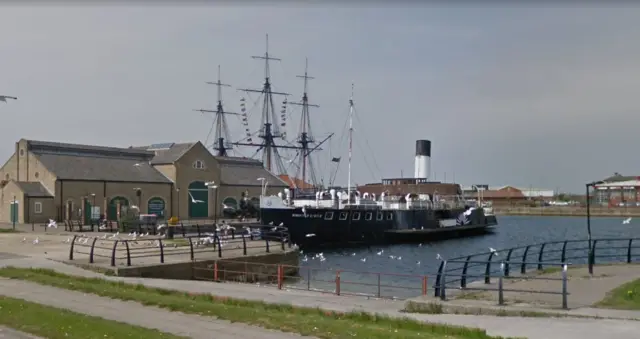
[112,212]
[87,212]
[156,206]
[198,200]
[14,211]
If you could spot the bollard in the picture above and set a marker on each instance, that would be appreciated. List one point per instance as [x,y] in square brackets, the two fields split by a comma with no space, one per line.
[338,282]
[564,287]
[215,271]
[424,285]
[280,277]
[500,287]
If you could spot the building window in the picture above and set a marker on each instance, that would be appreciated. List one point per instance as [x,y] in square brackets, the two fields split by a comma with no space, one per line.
[198,164]
[328,216]
[21,152]
[356,216]
[368,216]
[36,175]
[380,216]
[37,207]
[344,215]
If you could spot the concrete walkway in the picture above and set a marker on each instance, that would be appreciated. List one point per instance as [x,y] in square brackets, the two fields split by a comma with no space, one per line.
[188,325]
[8,333]
[533,328]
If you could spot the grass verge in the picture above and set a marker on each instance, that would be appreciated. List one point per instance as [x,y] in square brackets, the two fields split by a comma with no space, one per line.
[9,230]
[623,297]
[306,321]
[56,323]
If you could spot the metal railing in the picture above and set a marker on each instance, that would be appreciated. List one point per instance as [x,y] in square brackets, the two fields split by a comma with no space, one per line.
[457,273]
[114,249]
[316,279]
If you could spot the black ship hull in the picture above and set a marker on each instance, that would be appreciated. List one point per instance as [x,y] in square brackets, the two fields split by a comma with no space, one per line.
[327,227]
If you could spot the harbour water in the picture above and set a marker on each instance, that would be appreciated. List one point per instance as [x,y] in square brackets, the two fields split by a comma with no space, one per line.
[411,262]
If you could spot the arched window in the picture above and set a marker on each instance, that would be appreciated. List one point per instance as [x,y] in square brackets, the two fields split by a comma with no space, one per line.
[231,202]
[199,164]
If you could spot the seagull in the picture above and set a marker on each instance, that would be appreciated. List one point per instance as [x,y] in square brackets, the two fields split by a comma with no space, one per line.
[194,200]
[363,259]
[4,98]
[380,253]
[52,223]
[310,235]
[626,221]
[493,250]
[417,262]
[24,239]
[439,257]
[35,242]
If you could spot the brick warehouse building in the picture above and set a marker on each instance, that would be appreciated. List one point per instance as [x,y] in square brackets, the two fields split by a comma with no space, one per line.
[618,190]
[64,181]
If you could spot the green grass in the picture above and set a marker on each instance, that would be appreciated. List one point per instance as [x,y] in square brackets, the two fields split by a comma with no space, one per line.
[306,321]
[53,323]
[9,230]
[624,297]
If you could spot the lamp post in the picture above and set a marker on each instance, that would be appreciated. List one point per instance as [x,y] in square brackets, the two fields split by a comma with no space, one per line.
[263,186]
[14,208]
[93,205]
[178,194]
[588,187]
[212,186]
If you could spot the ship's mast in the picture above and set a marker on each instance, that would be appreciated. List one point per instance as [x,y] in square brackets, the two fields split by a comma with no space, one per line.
[270,127]
[220,121]
[305,138]
[350,143]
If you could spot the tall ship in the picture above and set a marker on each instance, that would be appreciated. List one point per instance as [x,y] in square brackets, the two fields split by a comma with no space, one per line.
[315,215]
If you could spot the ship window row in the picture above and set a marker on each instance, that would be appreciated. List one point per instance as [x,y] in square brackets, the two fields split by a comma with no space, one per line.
[356,216]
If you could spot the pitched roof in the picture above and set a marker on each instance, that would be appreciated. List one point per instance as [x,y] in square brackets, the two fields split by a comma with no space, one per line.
[294,182]
[57,147]
[245,172]
[87,167]
[167,153]
[33,189]
[619,177]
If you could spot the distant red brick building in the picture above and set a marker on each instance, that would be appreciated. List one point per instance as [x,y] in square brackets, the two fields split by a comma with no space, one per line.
[295,182]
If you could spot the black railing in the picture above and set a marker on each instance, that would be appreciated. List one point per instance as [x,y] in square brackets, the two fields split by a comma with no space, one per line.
[113,249]
[457,273]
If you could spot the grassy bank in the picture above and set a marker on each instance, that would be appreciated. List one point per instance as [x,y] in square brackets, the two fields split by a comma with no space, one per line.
[8,230]
[624,297]
[306,321]
[55,323]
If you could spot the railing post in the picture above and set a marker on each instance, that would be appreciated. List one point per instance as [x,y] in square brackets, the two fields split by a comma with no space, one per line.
[184,234]
[487,270]
[338,282]
[93,245]
[191,248]
[592,256]
[233,234]
[629,251]
[438,279]
[563,258]
[267,244]
[73,242]
[443,282]
[198,230]
[282,241]
[215,271]
[113,253]
[540,256]
[217,240]
[500,285]
[126,243]
[279,277]
[244,245]
[424,285]
[463,278]
[308,279]
[161,251]
[564,287]
[378,285]
[523,266]
[506,264]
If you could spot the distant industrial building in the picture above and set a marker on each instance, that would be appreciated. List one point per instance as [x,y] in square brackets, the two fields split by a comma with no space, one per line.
[617,190]
[507,194]
[49,180]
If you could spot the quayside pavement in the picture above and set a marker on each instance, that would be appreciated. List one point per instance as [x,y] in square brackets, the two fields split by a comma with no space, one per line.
[533,328]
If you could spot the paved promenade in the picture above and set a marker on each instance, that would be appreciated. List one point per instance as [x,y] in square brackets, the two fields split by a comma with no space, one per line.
[8,333]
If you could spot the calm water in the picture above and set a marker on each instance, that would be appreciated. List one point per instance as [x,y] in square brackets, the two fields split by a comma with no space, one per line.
[420,260]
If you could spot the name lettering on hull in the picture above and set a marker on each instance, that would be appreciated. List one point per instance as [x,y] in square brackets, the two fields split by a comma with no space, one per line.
[308,215]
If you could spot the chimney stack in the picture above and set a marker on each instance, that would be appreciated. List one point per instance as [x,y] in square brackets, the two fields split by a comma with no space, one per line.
[423,159]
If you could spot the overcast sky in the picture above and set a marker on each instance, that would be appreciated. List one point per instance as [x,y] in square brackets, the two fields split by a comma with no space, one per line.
[547,97]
